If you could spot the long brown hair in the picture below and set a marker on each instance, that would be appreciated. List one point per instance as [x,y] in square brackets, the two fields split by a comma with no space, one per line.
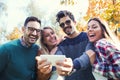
[107,33]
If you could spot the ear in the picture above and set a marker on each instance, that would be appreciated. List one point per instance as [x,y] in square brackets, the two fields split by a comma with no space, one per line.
[23,29]
[75,22]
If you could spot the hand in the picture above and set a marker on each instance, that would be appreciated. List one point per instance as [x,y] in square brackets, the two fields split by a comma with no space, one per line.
[43,65]
[64,67]
[91,55]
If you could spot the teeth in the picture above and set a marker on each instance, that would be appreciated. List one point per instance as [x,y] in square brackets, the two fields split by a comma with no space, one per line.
[53,40]
[91,35]
[32,36]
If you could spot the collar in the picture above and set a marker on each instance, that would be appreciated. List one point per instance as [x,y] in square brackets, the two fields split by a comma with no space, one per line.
[22,41]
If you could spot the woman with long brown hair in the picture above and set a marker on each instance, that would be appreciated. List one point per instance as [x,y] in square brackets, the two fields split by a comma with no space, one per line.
[107,62]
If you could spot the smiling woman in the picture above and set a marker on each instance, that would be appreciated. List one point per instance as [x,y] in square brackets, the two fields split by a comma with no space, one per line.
[107,60]
[48,42]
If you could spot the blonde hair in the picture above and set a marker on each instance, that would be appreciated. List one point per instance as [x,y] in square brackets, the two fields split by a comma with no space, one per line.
[44,47]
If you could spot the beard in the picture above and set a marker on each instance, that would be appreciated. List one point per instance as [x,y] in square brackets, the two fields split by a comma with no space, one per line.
[68,30]
[30,40]
[69,33]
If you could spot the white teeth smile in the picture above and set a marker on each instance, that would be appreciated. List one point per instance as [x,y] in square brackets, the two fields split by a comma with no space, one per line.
[91,35]
[53,40]
[32,37]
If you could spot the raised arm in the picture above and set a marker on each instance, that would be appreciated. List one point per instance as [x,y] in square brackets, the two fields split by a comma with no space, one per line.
[79,63]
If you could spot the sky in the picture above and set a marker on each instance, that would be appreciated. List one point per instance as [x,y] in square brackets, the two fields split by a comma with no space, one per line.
[14,12]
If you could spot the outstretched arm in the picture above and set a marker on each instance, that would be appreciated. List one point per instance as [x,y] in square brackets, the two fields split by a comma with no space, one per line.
[87,58]
[81,62]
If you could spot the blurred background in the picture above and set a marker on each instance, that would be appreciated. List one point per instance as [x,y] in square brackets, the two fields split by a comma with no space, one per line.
[14,12]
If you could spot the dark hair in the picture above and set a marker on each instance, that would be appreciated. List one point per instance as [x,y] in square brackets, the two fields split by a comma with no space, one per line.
[64,13]
[31,18]
[101,25]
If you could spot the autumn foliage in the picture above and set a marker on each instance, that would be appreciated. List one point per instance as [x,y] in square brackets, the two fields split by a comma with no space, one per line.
[15,34]
[108,10]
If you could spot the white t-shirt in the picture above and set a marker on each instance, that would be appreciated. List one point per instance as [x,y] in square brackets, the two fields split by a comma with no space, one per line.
[99,77]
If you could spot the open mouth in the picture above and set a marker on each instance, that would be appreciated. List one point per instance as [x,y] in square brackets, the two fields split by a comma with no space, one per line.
[32,38]
[53,40]
[91,35]
[67,29]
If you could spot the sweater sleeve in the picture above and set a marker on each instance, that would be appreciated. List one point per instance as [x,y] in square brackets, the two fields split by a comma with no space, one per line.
[4,57]
[81,62]
[89,46]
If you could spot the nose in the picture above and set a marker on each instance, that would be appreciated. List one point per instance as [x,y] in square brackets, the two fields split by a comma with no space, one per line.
[34,32]
[65,25]
[51,35]
[89,29]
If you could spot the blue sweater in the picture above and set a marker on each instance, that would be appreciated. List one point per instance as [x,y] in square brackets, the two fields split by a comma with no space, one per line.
[17,62]
[75,48]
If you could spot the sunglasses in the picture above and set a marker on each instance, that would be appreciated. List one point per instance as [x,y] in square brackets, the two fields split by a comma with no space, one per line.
[31,29]
[67,22]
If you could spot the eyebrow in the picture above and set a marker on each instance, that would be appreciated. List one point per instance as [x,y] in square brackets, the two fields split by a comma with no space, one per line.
[32,27]
[93,24]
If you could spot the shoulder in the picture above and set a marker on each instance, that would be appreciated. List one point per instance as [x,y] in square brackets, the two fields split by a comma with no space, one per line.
[40,52]
[101,42]
[36,46]
[84,34]
[82,37]
[104,44]
[10,43]
[7,47]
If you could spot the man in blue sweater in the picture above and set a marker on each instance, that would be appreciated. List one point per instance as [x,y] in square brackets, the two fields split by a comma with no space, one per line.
[73,47]
[17,58]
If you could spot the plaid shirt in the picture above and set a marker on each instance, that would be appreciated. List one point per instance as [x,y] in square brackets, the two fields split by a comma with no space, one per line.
[107,59]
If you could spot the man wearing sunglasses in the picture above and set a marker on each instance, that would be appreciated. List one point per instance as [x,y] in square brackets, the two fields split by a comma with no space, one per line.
[77,64]
[17,58]
[73,47]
